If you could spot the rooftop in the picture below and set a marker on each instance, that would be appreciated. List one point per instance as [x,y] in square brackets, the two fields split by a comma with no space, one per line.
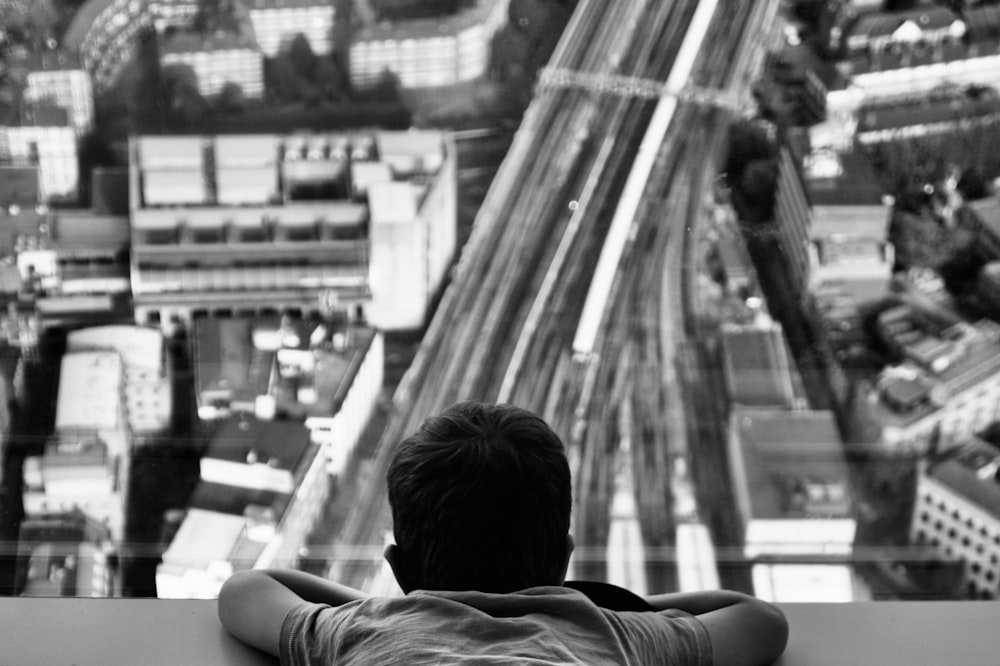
[52,61]
[758,371]
[18,186]
[902,59]
[842,179]
[90,385]
[281,445]
[914,392]
[424,28]
[305,366]
[933,17]
[793,462]
[972,471]
[987,211]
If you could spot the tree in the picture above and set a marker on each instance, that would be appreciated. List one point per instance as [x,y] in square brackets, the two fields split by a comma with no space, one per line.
[388,88]
[284,79]
[758,184]
[231,99]
[509,53]
[747,142]
[184,100]
[331,80]
[301,54]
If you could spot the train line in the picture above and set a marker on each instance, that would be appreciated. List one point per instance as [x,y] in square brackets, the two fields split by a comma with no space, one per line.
[506,325]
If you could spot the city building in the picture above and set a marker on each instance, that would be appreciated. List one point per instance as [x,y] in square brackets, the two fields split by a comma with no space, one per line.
[277,22]
[52,148]
[58,78]
[65,555]
[956,513]
[361,224]
[794,502]
[929,117]
[85,465]
[324,375]
[74,267]
[147,377]
[756,364]
[928,25]
[804,78]
[106,33]
[984,220]
[895,56]
[792,217]
[738,275]
[217,59]
[262,486]
[849,256]
[946,389]
[428,52]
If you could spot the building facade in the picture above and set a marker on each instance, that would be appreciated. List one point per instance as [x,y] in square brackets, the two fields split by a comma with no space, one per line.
[957,513]
[106,33]
[277,22]
[898,56]
[217,60]
[792,217]
[428,52]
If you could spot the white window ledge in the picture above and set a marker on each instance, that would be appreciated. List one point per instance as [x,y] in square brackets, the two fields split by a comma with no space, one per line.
[51,632]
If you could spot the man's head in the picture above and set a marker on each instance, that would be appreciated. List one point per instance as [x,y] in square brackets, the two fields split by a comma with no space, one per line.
[481,500]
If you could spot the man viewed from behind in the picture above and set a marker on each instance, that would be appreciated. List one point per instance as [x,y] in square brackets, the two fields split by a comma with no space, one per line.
[481,500]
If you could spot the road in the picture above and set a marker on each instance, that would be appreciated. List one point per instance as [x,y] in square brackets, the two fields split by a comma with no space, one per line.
[517,290]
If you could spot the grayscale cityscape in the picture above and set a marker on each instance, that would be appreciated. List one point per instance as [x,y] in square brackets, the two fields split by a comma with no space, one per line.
[744,257]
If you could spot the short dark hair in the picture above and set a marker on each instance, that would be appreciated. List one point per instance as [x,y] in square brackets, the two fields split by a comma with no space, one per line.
[481,500]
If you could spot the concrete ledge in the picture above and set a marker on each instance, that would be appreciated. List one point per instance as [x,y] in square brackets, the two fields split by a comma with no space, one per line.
[103,632]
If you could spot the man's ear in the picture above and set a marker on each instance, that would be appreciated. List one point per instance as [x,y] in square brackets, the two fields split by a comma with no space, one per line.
[570,545]
[401,569]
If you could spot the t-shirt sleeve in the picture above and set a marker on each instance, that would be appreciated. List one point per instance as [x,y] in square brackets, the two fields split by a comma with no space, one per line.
[671,637]
[301,632]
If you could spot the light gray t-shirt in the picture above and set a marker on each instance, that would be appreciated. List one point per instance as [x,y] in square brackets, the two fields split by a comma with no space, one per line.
[540,625]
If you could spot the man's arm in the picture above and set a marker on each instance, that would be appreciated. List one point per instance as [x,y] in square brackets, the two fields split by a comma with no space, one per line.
[744,630]
[253,604]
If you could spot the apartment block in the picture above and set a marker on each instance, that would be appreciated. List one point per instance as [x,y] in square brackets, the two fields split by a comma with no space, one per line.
[957,513]
[903,55]
[216,60]
[277,22]
[428,52]
[105,33]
